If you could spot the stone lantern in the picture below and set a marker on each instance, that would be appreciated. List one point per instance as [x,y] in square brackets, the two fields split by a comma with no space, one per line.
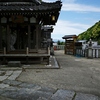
[90,50]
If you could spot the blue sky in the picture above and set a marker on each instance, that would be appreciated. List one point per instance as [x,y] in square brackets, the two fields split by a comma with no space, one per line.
[76,16]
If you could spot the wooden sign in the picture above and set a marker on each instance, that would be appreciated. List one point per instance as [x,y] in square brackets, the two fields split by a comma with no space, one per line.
[17,19]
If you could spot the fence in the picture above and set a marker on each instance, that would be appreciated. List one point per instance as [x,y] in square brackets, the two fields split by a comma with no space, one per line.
[80,52]
[94,53]
[59,47]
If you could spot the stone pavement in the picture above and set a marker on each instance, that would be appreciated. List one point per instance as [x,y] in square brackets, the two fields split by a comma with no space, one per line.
[12,89]
[15,90]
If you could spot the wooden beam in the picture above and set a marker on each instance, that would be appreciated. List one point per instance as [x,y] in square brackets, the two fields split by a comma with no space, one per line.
[0,35]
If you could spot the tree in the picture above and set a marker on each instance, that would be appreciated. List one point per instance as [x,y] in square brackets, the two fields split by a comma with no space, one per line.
[91,33]
[60,42]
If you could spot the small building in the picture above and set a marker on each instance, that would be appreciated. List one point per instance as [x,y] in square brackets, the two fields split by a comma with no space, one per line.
[22,29]
[70,44]
[83,44]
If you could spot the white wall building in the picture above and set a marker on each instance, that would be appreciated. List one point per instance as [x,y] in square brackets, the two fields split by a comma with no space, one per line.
[86,44]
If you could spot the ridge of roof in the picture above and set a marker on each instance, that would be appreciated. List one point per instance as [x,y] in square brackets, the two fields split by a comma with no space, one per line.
[17,0]
[31,2]
[20,1]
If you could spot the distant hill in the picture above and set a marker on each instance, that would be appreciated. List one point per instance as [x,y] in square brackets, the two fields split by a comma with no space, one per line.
[92,32]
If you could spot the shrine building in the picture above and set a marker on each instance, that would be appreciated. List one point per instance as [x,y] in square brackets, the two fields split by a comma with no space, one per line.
[25,27]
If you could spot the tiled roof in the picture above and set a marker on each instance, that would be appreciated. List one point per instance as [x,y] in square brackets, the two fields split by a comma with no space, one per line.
[69,36]
[47,13]
[18,0]
[29,7]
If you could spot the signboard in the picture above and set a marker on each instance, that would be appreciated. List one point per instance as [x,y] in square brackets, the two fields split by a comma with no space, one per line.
[17,19]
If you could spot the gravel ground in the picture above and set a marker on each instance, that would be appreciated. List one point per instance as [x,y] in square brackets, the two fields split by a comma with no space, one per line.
[76,73]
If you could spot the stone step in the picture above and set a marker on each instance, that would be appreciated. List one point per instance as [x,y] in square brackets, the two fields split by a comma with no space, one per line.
[14,64]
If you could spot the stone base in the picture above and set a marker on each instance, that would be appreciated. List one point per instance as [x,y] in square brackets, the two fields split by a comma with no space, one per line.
[14,64]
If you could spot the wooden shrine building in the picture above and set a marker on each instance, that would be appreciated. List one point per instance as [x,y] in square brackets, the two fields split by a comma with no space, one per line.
[70,44]
[22,29]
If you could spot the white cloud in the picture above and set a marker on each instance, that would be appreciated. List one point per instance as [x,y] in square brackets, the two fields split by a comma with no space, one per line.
[71,5]
[68,1]
[67,28]
[79,7]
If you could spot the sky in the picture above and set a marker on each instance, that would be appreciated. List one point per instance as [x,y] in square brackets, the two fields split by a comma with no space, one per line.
[76,16]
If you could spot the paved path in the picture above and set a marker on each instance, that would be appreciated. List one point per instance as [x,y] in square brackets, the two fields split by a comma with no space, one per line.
[15,90]
[12,89]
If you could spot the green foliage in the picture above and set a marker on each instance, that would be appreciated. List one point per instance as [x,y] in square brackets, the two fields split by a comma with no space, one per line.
[92,32]
[99,42]
[60,43]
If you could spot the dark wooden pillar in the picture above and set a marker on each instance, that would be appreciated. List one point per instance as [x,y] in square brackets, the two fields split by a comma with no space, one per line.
[0,35]
[37,37]
[8,38]
[29,35]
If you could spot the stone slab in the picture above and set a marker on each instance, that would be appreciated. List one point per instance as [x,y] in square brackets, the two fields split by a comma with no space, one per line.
[42,98]
[2,73]
[14,75]
[81,96]
[14,64]
[32,87]
[63,95]
[10,94]
[15,93]
[8,73]
[25,94]
[27,85]
[47,89]
[4,98]
[2,78]
[1,91]
[41,94]
[12,82]
[3,85]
